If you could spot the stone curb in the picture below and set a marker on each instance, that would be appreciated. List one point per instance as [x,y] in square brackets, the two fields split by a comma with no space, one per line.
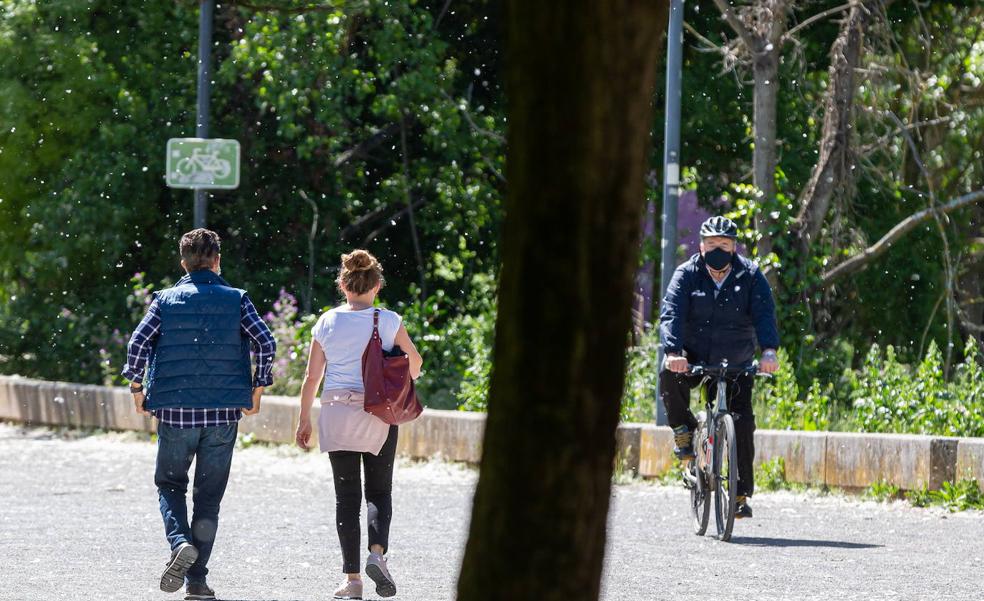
[836,459]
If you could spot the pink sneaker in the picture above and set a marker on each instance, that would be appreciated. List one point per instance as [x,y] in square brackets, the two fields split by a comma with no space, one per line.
[377,570]
[350,589]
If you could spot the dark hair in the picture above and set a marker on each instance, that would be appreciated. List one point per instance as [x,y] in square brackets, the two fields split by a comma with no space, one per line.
[360,273]
[199,248]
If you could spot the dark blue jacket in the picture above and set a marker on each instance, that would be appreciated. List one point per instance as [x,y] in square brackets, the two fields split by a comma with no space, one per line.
[709,329]
[201,358]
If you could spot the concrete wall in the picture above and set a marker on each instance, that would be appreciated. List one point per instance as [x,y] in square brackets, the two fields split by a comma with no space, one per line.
[970,459]
[836,459]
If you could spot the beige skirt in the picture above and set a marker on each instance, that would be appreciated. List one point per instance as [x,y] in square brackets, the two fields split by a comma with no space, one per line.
[344,424]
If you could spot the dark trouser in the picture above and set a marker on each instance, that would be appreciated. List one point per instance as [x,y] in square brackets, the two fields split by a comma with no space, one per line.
[348,498]
[176,447]
[674,390]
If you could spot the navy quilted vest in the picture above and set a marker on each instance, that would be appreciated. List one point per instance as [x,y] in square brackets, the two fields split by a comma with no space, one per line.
[201,358]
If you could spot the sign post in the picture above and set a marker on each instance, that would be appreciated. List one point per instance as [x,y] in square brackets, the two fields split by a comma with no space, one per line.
[200,163]
[671,167]
[206,10]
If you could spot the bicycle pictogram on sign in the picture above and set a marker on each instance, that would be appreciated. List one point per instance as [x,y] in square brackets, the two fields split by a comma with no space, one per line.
[202,163]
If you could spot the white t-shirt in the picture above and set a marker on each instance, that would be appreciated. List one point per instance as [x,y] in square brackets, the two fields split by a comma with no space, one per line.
[343,335]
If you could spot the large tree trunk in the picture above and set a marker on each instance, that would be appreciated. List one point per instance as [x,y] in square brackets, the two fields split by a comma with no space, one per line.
[580,78]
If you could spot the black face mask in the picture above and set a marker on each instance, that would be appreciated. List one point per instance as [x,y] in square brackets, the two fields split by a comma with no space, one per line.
[718,258]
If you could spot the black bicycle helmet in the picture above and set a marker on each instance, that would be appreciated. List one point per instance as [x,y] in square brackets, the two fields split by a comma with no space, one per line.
[719,226]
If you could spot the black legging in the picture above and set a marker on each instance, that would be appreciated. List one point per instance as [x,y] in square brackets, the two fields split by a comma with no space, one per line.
[348,498]
[674,389]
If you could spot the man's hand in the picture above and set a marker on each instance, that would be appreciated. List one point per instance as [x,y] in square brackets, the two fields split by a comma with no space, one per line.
[138,402]
[257,393]
[676,364]
[769,363]
[303,435]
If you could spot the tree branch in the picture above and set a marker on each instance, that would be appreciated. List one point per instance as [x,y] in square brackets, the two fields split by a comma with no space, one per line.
[867,148]
[711,45]
[861,260]
[440,16]
[471,122]
[405,156]
[789,34]
[361,150]
[729,15]
[390,222]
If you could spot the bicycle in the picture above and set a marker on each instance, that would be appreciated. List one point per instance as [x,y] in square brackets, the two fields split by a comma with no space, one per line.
[203,166]
[714,470]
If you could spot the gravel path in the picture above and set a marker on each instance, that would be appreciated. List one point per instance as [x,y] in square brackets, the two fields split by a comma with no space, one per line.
[79,520]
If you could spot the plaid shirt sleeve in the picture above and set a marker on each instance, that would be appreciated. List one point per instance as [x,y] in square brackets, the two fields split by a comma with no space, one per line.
[261,341]
[141,343]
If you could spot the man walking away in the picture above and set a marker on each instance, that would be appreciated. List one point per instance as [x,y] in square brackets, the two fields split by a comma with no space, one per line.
[195,343]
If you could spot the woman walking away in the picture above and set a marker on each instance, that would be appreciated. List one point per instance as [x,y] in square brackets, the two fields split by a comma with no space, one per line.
[349,434]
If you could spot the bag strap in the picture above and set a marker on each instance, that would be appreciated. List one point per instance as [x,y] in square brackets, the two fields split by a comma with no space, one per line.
[375,324]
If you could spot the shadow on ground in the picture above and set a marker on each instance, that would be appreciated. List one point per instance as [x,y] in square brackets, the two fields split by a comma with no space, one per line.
[759,541]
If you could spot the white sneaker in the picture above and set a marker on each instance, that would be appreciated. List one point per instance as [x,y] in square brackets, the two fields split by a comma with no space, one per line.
[377,570]
[350,589]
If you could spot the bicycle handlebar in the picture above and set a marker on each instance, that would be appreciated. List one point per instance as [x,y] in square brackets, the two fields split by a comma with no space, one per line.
[697,369]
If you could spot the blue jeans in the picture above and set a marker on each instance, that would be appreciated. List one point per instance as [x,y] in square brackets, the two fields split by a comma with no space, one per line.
[176,447]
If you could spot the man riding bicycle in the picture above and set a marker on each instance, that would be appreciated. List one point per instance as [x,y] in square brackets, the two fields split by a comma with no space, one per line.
[717,306]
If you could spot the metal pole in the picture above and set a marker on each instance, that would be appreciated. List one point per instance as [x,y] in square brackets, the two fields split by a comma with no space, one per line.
[207,8]
[671,166]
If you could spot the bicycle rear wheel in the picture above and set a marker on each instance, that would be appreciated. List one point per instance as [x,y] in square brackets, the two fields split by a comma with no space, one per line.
[700,498]
[726,476]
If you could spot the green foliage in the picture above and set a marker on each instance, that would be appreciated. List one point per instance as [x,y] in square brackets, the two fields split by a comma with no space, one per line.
[641,377]
[293,336]
[960,496]
[771,475]
[883,395]
[354,111]
[965,494]
[882,491]
[780,404]
[888,396]
[456,346]
[919,497]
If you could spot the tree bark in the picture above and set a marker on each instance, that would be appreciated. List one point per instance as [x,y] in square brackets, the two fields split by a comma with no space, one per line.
[833,168]
[580,78]
[766,97]
[762,27]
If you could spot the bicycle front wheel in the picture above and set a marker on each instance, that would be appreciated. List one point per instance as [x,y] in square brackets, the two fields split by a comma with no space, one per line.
[700,498]
[726,476]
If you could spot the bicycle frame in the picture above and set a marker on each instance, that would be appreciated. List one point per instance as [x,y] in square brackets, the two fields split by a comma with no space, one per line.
[706,479]
[717,407]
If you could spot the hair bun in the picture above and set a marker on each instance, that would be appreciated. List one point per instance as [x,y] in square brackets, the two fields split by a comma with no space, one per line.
[358,260]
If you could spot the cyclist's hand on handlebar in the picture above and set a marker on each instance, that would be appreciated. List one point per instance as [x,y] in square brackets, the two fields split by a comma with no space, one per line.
[769,363]
[677,364]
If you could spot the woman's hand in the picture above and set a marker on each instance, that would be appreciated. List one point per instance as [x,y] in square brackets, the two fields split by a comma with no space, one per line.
[303,435]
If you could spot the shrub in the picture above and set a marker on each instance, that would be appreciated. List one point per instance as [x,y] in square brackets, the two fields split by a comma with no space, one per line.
[882,395]
[293,338]
[882,491]
[779,404]
[642,374]
[771,474]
